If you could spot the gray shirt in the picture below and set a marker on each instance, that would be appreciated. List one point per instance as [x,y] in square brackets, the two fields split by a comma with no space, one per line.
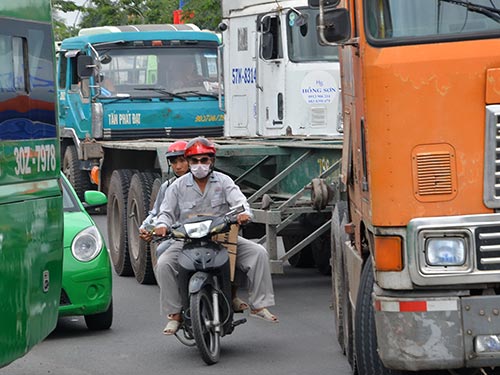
[184,199]
[149,221]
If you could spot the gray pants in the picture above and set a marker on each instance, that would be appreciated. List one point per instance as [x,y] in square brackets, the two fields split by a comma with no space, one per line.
[252,259]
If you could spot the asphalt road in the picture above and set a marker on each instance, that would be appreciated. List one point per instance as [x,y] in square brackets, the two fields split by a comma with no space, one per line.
[302,343]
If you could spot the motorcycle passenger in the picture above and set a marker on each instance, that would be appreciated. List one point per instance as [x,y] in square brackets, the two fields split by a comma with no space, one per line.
[205,191]
[180,166]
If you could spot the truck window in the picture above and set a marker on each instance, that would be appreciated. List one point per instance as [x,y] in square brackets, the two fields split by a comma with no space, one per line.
[77,83]
[409,21]
[270,38]
[133,70]
[303,43]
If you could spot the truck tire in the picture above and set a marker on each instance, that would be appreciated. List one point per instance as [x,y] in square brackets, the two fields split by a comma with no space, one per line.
[117,221]
[79,179]
[155,188]
[138,207]
[367,359]
[321,252]
[304,258]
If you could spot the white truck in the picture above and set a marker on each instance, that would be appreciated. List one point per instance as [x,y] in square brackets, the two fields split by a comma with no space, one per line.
[282,92]
[278,80]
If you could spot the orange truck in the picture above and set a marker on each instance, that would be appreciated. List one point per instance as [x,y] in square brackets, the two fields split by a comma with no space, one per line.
[416,228]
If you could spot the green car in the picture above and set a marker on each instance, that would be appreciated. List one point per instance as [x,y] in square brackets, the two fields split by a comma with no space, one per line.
[87,278]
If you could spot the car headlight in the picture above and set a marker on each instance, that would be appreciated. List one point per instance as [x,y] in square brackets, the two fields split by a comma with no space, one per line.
[198,230]
[87,244]
[445,251]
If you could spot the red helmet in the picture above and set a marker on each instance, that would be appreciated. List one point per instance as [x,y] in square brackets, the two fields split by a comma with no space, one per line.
[176,149]
[198,146]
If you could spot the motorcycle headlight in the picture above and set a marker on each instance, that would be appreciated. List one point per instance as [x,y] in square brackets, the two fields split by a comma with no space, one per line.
[87,244]
[446,251]
[198,230]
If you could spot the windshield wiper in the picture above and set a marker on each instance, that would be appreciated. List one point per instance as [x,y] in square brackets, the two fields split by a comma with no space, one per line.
[161,90]
[490,12]
[197,93]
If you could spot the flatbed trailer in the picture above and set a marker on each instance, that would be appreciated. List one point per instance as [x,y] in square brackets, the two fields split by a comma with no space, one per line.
[286,180]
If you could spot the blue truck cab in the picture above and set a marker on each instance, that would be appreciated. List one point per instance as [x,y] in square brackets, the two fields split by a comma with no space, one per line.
[134,82]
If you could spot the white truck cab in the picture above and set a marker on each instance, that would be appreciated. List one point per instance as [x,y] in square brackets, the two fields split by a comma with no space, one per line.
[278,80]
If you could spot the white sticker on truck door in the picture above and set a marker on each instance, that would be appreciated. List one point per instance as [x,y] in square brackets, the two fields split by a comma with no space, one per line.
[319,88]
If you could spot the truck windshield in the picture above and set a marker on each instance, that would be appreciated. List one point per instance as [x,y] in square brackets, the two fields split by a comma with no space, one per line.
[410,21]
[140,71]
[303,44]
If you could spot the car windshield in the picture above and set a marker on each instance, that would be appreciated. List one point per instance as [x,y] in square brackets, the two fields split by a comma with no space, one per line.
[303,43]
[431,19]
[159,72]
[69,200]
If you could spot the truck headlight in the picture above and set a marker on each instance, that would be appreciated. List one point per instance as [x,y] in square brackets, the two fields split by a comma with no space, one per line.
[484,344]
[445,251]
[87,244]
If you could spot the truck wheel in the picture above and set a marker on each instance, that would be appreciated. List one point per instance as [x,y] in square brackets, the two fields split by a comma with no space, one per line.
[101,321]
[79,179]
[321,252]
[303,259]
[138,208]
[367,359]
[117,221]
[155,188]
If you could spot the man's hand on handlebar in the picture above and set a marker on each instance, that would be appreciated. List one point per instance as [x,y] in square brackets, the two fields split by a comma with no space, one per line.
[243,218]
[160,231]
[146,235]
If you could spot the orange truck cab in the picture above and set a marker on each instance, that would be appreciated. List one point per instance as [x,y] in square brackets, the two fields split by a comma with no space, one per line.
[416,230]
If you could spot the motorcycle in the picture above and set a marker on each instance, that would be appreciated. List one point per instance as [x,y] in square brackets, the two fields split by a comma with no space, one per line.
[205,283]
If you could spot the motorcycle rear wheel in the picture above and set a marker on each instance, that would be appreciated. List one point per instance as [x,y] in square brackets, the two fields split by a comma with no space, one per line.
[202,315]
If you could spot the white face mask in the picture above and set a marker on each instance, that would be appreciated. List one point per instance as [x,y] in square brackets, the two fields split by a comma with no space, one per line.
[200,170]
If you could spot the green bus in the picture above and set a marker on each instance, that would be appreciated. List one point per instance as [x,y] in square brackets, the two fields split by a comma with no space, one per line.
[31,214]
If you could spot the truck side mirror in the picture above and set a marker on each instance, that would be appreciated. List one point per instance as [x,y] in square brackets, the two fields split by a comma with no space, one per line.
[337,26]
[326,3]
[85,66]
[265,24]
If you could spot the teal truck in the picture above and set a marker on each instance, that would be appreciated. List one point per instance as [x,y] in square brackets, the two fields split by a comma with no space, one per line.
[117,84]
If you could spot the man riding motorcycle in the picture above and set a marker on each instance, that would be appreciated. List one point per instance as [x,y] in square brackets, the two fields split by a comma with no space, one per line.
[208,192]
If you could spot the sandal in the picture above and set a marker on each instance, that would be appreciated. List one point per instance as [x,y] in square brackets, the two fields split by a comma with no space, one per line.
[172,327]
[264,314]
[239,305]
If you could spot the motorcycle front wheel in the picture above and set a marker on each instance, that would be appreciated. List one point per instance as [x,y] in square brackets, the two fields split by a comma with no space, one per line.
[202,315]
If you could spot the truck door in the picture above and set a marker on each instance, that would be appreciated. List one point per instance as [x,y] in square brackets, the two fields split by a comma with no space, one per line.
[271,76]
[74,96]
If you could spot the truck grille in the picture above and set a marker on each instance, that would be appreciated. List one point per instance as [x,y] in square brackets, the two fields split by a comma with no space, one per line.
[212,131]
[488,248]
[492,157]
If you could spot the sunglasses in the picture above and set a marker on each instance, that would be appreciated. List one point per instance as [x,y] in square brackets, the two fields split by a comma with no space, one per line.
[203,160]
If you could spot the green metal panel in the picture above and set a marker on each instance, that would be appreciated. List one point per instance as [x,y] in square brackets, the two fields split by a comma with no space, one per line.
[31,267]
[35,10]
